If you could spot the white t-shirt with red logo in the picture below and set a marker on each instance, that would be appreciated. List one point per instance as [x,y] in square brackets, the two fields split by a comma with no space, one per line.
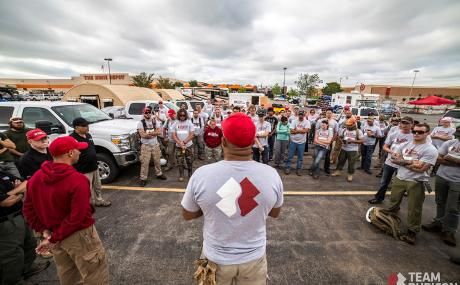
[394,141]
[183,129]
[235,197]
[441,131]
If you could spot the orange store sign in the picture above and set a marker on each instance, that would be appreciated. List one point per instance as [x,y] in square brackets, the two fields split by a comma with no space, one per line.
[104,77]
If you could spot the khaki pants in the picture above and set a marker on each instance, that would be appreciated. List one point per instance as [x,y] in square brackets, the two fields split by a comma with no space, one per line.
[95,185]
[415,196]
[147,152]
[81,259]
[251,273]
[351,156]
[213,153]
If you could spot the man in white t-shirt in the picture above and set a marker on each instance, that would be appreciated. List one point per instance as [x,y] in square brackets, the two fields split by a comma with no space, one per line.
[260,146]
[414,159]
[208,108]
[442,133]
[372,132]
[198,140]
[299,132]
[235,196]
[351,138]
[183,132]
[149,129]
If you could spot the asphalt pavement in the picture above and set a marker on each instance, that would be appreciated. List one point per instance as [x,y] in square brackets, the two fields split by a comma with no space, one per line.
[321,236]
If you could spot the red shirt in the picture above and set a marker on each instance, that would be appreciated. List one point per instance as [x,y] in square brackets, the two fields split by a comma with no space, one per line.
[212,137]
[57,199]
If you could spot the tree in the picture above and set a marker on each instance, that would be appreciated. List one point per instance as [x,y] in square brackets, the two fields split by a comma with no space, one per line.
[178,84]
[165,83]
[143,80]
[332,88]
[307,84]
[276,89]
[292,93]
[193,83]
[241,89]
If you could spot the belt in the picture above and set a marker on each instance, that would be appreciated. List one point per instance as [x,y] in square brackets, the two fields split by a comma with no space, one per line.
[10,216]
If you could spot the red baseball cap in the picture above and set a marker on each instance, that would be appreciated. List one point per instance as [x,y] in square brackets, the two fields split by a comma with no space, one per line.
[171,113]
[62,145]
[239,130]
[36,134]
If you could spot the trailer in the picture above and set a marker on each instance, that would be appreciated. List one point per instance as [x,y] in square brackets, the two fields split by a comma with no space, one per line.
[354,99]
[243,100]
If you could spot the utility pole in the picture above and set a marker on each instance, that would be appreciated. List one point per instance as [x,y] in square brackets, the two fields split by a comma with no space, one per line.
[108,63]
[415,75]
[284,81]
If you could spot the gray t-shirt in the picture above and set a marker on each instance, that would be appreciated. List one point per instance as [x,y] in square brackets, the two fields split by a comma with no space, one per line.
[262,128]
[395,140]
[296,124]
[347,136]
[374,130]
[323,136]
[235,197]
[198,125]
[183,129]
[151,125]
[169,125]
[417,152]
[333,125]
[450,173]
[441,131]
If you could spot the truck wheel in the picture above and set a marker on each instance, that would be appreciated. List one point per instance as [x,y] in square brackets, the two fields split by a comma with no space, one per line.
[108,169]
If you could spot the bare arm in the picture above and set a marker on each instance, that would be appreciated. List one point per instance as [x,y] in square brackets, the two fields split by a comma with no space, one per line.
[144,135]
[191,215]
[7,143]
[15,152]
[20,188]
[275,212]
[11,200]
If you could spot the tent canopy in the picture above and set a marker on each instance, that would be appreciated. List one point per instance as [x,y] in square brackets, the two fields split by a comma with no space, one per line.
[433,101]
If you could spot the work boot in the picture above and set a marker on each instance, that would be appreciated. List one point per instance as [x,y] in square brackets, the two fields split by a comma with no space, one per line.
[287,171]
[409,237]
[336,173]
[349,177]
[181,174]
[36,268]
[162,177]
[379,174]
[298,172]
[368,171]
[142,183]
[434,227]
[375,201]
[449,238]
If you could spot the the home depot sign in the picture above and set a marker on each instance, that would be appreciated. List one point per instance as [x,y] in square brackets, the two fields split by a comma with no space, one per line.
[104,77]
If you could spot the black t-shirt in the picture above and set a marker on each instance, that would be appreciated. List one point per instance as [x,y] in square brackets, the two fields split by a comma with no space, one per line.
[31,161]
[273,122]
[6,155]
[88,160]
[6,185]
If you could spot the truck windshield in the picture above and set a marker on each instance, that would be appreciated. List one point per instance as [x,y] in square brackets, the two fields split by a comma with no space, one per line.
[69,112]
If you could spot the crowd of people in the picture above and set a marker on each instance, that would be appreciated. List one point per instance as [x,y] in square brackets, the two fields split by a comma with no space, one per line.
[62,184]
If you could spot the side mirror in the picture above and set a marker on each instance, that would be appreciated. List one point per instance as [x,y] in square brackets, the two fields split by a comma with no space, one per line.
[111,115]
[44,126]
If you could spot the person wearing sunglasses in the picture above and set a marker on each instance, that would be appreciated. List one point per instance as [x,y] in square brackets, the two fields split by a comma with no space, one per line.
[394,140]
[183,133]
[414,159]
[149,129]
[447,189]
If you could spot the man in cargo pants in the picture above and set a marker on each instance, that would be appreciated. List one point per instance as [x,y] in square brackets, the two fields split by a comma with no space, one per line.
[149,129]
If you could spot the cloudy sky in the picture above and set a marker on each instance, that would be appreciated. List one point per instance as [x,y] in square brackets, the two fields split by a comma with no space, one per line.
[235,41]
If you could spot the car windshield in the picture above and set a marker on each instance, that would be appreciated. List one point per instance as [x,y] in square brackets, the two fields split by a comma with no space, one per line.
[171,106]
[365,112]
[453,113]
[69,112]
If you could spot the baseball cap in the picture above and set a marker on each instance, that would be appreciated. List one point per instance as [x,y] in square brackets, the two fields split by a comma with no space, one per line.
[239,130]
[171,112]
[63,145]
[446,119]
[15,119]
[407,119]
[370,118]
[350,122]
[260,113]
[80,122]
[147,110]
[301,113]
[36,134]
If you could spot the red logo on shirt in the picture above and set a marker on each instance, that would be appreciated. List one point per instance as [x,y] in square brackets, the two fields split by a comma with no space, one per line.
[241,194]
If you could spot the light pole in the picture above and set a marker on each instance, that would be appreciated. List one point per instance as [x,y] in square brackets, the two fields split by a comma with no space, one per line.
[108,63]
[284,80]
[340,81]
[415,75]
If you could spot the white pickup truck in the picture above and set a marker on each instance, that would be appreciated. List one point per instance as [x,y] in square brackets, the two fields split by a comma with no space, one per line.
[116,140]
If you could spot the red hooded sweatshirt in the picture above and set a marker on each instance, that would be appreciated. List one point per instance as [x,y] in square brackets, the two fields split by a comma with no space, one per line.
[57,199]
[212,137]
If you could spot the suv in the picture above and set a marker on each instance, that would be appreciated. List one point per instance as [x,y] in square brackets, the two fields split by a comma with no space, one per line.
[133,109]
[455,114]
[116,141]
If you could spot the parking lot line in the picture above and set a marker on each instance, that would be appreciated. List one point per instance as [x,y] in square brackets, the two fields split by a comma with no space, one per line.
[286,193]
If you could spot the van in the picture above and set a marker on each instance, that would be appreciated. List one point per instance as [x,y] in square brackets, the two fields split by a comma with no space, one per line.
[116,141]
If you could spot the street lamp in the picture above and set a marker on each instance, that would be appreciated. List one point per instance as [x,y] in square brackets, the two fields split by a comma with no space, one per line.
[340,81]
[108,63]
[284,81]
[415,75]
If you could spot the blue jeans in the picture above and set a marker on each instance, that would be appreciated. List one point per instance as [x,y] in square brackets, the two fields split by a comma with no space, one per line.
[387,174]
[294,148]
[366,156]
[320,153]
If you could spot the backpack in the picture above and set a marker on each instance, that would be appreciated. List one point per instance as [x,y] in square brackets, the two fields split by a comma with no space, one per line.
[385,220]
[144,124]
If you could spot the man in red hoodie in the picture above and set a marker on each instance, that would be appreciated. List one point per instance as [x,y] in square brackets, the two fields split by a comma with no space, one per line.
[213,141]
[58,205]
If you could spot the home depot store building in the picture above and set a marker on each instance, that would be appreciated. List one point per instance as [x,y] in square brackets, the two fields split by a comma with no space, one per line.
[63,85]
[403,93]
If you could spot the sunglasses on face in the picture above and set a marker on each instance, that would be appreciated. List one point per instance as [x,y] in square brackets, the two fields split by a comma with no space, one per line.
[405,122]
[147,113]
[418,132]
